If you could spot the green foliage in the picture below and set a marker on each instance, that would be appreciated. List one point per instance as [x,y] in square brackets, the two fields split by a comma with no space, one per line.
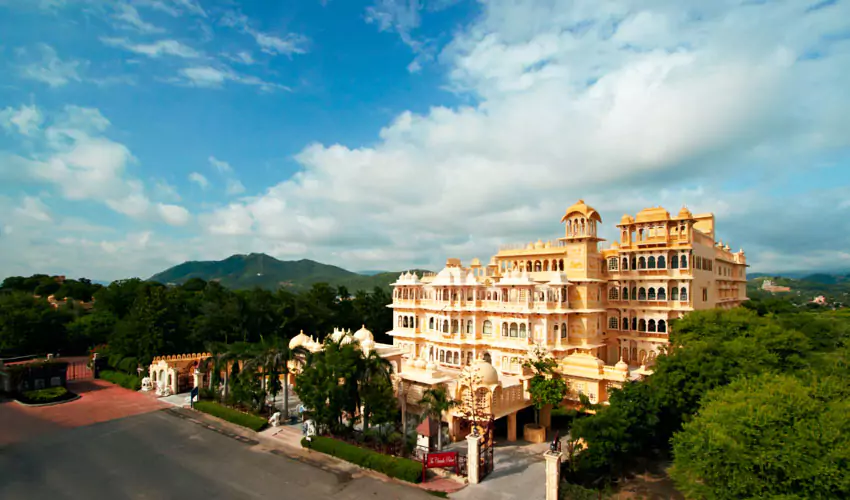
[400,468]
[29,325]
[125,380]
[767,436]
[731,432]
[546,391]
[42,396]
[570,491]
[237,417]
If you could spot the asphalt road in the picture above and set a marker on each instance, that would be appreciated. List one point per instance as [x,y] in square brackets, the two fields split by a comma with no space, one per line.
[159,456]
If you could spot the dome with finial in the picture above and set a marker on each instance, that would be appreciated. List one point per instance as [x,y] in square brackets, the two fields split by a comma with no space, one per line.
[622,366]
[627,219]
[684,213]
[583,209]
[485,372]
[299,340]
[363,334]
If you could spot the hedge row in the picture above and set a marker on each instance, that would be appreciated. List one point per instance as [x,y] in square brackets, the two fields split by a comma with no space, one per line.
[401,468]
[48,395]
[252,422]
[125,380]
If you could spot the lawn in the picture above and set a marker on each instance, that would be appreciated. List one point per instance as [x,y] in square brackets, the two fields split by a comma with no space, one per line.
[253,422]
[44,396]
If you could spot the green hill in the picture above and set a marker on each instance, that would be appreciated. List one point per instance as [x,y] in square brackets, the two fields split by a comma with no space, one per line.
[261,270]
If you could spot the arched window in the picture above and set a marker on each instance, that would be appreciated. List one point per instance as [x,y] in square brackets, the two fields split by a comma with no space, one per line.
[625,293]
[538,266]
[431,324]
[407,322]
[642,263]
[528,265]
[555,329]
[560,264]
[625,263]
[625,323]
[662,326]
[545,265]
[457,358]
[642,325]
[651,262]
[442,356]
[662,263]
[514,330]
[445,326]
[674,262]
[400,319]
[634,324]
[674,293]
[662,294]
[651,295]
[455,326]
[683,294]
[522,330]
[504,329]
[613,294]
[652,325]
[488,327]
[683,261]
[563,330]
[612,323]
[625,354]
[634,263]
[469,327]
[634,293]
[642,293]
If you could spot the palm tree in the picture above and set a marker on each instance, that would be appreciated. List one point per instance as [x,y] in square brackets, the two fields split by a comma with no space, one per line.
[372,368]
[435,402]
[273,356]
[220,355]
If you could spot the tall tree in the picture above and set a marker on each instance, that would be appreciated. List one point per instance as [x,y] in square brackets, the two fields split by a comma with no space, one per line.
[435,403]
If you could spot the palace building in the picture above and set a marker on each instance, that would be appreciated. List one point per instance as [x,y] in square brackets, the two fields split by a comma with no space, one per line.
[603,314]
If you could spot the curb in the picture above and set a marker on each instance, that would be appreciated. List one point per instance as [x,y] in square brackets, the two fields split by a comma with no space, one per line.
[54,403]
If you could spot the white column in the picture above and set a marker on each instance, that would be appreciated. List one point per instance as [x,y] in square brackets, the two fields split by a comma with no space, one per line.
[553,474]
[472,462]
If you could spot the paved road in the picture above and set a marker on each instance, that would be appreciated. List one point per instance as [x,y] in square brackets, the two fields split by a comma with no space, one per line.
[159,456]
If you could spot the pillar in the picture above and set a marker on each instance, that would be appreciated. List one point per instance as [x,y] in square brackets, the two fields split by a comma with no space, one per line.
[473,462]
[512,427]
[553,474]
[546,416]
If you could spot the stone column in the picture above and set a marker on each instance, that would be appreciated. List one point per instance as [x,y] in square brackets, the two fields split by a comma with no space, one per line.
[553,474]
[472,462]
[512,427]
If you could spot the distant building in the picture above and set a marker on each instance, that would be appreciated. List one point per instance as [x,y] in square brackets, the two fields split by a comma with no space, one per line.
[819,300]
[769,286]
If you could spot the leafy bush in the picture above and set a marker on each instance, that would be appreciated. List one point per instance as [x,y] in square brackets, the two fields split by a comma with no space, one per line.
[125,380]
[128,365]
[237,417]
[48,395]
[401,468]
[570,491]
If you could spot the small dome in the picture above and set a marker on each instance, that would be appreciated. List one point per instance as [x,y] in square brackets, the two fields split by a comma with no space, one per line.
[622,366]
[486,372]
[419,363]
[367,345]
[337,334]
[627,219]
[539,244]
[684,213]
[299,340]
[475,262]
[363,334]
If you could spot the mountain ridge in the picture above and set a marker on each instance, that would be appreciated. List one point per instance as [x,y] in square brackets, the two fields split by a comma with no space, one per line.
[241,271]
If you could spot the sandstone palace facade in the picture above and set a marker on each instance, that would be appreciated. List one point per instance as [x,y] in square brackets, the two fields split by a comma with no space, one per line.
[604,314]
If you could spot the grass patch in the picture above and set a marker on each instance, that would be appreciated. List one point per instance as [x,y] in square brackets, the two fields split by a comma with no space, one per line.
[44,396]
[400,468]
[125,380]
[237,417]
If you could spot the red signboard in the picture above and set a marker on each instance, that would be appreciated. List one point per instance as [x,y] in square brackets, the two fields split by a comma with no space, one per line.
[445,459]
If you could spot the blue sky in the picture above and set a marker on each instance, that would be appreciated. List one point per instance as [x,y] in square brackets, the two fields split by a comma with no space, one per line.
[138,134]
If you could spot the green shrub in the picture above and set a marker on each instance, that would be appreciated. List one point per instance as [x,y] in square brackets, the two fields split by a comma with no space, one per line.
[401,468]
[125,380]
[128,365]
[237,417]
[570,491]
[48,395]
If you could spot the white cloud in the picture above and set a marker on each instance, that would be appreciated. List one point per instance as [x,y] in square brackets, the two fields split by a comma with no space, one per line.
[33,208]
[609,101]
[51,69]
[288,44]
[234,187]
[174,215]
[199,179]
[166,191]
[155,49]
[174,8]
[221,166]
[242,57]
[210,77]
[128,17]
[26,119]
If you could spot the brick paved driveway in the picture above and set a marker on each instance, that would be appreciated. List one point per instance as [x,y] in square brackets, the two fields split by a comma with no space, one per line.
[100,401]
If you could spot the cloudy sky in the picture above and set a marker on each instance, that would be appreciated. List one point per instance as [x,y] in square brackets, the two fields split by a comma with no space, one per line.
[137,134]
